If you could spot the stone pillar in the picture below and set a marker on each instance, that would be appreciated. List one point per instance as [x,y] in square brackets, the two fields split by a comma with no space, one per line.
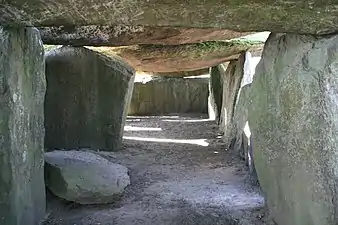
[87,99]
[216,91]
[231,86]
[22,91]
[294,121]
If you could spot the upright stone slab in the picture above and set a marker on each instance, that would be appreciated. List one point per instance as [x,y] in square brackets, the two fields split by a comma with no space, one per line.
[162,96]
[216,91]
[294,123]
[231,86]
[240,123]
[87,99]
[22,91]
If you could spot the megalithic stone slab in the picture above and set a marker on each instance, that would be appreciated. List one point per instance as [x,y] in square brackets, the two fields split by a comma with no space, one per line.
[231,85]
[294,122]
[22,91]
[163,96]
[87,99]
[216,91]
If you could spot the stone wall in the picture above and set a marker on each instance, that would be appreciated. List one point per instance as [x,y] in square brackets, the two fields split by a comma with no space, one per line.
[294,123]
[170,95]
[22,91]
[87,99]
[216,91]
[231,85]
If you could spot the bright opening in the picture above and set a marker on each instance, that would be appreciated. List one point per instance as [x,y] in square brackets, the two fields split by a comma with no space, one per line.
[201,142]
[188,121]
[131,128]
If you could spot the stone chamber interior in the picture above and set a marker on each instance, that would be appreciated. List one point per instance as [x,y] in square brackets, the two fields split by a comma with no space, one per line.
[189,114]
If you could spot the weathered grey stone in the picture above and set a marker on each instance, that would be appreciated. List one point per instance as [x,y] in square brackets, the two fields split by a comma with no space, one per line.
[216,92]
[298,16]
[84,177]
[87,99]
[240,120]
[122,35]
[241,130]
[170,95]
[294,123]
[22,91]
[231,86]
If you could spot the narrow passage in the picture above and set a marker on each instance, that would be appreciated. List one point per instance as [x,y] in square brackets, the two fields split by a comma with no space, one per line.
[180,175]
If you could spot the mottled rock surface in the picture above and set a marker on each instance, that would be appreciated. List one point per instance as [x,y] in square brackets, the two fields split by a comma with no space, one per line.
[216,92]
[84,177]
[183,73]
[22,91]
[170,95]
[231,85]
[186,57]
[312,17]
[294,124]
[241,142]
[87,99]
[122,35]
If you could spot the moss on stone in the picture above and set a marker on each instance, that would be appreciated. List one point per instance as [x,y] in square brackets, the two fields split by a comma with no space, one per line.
[190,51]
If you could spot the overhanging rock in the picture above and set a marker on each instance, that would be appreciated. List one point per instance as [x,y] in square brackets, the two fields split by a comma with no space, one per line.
[187,57]
[123,35]
[298,16]
[182,73]
[87,99]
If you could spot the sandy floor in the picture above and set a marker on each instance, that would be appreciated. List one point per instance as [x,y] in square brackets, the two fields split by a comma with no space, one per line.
[181,175]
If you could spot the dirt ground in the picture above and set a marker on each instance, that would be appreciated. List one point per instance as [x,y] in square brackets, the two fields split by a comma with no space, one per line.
[181,174]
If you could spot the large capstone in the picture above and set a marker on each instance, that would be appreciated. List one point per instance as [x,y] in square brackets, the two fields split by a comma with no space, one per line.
[170,95]
[84,177]
[87,99]
[123,35]
[294,122]
[184,57]
[22,91]
[311,17]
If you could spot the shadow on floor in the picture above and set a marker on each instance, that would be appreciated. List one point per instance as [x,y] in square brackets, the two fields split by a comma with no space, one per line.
[173,183]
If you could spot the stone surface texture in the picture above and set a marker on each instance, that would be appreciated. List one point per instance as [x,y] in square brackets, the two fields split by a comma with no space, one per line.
[200,72]
[233,76]
[216,92]
[122,35]
[298,16]
[240,122]
[84,177]
[185,57]
[22,91]
[294,124]
[170,95]
[87,99]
